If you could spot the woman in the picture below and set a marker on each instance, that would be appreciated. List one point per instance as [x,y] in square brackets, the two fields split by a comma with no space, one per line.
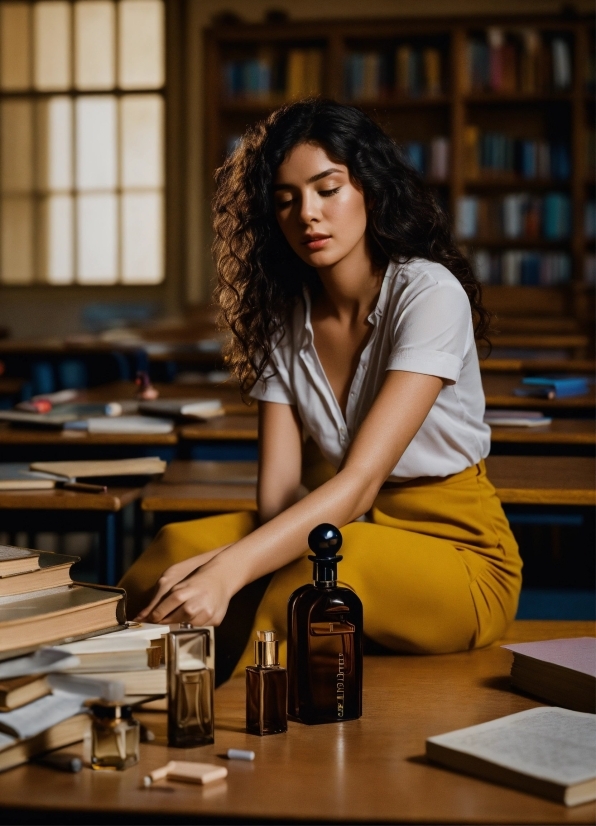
[352,315]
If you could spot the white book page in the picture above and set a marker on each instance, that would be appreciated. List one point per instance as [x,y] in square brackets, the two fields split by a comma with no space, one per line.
[551,743]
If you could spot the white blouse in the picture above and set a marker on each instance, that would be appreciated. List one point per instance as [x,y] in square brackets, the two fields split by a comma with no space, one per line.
[422,324]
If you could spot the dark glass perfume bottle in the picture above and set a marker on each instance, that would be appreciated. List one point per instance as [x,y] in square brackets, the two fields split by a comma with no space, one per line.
[190,688]
[324,640]
[266,689]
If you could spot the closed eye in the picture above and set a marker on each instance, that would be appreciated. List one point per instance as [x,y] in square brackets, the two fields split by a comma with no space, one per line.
[326,193]
[284,204]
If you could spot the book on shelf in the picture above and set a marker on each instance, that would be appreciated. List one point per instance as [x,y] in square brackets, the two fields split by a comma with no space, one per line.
[122,471]
[410,72]
[522,60]
[431,160]
[183,408]
[14,751]
[518,215]
[513,268]
[549,752]
[516,418]
[292,73]
[19,691]
[562,671]
[495,153]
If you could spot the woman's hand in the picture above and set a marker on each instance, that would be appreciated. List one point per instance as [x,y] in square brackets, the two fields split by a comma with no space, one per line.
[202,598]
[171,577]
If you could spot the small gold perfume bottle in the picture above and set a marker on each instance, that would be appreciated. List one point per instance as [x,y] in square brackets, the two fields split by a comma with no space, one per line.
[115,736]
[266,689]
[190,688]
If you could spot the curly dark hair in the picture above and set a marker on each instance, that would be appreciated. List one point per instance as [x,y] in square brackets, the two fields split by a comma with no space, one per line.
[260,277]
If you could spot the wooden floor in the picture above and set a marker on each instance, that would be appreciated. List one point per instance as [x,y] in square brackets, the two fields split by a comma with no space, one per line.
[372,770]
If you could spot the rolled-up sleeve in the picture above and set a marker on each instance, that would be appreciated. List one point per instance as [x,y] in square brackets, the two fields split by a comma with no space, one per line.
[433,332]
[275,383]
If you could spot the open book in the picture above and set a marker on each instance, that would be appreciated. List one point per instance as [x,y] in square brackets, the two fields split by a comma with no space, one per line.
[546,751]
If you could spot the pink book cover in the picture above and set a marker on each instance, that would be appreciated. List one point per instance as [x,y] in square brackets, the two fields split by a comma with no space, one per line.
[578,654]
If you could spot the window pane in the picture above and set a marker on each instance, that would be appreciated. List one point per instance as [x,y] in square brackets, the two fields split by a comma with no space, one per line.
[57,239]
[17,240]
[55,143]
[97,239]
[17,146]
[94,40]
[141,49]
[142,237]
[51,24]
[142,140]
[96,142]
[15,47]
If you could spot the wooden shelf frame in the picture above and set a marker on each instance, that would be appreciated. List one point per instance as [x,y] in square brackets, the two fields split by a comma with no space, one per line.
[456,105]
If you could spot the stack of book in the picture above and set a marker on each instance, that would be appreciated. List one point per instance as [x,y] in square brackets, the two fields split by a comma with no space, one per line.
[518,215]
[495,153]
[558,671]
[523,61]
[95,475]
[134,657]
[41,605]
[522,267]
[553,387]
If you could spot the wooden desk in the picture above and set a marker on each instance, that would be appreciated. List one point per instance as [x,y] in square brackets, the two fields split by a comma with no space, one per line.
[558,432]
[498,389]
[538,366]
[543,480]
[364,771]
[59,510]
[223,428]
[228,393]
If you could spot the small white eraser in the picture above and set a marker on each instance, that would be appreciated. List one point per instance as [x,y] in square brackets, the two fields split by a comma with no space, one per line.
[240,754]
[196,772]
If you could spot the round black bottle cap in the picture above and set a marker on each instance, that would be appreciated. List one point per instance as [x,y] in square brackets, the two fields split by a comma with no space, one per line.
[325,541]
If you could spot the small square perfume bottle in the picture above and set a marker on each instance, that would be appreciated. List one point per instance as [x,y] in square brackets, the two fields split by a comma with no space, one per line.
[190,688]
[266,688]
[115,736]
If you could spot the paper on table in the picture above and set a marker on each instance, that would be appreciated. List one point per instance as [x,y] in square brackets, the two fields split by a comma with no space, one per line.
[68,698]
[129,424]
[578,654]
[551,743]
[42,714]
[43,661]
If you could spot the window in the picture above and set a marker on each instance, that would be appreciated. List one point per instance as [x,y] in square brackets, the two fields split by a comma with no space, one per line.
[81,142]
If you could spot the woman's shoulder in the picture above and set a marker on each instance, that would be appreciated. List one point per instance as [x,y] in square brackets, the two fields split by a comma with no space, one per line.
[419,274]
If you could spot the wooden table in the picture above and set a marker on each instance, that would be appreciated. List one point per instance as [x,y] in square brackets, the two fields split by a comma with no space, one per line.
[558,432]
[543,480]
[223,428]
[64,510]
[498,389]
[538,366]
[228,393]
[364,771]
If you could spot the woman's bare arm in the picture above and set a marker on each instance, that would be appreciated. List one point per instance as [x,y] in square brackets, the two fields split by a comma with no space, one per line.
[280,459]
[395,417]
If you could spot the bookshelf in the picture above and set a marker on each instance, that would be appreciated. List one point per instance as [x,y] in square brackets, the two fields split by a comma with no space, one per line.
[496,113]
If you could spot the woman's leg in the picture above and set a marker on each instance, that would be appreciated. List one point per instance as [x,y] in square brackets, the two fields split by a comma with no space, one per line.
[415,590]
[176,542]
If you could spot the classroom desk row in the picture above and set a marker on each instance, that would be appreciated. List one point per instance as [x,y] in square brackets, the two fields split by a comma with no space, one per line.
[371,770]
[199,488]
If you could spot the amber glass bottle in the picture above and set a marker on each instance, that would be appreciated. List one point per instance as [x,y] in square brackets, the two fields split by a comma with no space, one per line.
[266,689]
[324,640]
[190,688]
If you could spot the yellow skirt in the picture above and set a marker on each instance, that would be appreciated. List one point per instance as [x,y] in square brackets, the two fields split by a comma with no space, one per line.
[437,567]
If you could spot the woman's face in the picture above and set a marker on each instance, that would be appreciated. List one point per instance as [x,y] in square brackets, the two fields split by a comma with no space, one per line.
[320,211]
